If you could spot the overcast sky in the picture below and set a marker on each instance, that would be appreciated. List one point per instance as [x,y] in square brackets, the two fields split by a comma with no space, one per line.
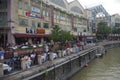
[111,6]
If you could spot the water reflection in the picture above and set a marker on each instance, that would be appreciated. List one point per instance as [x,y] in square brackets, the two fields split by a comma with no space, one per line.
[106,68]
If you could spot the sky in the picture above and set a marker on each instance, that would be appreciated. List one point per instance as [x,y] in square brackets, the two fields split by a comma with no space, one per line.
[111,6]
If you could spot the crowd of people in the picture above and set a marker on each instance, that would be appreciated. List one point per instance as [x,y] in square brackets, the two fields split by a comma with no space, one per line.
[32,57]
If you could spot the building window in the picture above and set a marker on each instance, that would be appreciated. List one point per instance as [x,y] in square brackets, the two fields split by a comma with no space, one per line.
[47,14]
[23,22]
[75,29]
[35,9]
[57,17]
[44,13]
[3,18]
[76,9]
[20,4]
[3,4]
[59,2]
[26,6]
[46,25]
[33,23]
[39,25]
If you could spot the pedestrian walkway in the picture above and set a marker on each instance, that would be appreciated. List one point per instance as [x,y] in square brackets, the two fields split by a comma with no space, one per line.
[39,68]
[18,75]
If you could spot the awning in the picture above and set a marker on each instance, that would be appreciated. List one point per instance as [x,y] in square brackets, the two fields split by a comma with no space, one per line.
[28,35]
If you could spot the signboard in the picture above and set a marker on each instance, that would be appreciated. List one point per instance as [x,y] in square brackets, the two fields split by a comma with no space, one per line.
[41,31]
[34,15]
[35,9]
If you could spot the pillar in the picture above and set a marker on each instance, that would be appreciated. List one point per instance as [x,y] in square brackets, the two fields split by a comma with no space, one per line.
[39,59]
[68,51]
[10,38]
[1,70]
[42,40]
[59,53]
[62,53]
[23,64]
[11,21]
[74,49]
[51,56]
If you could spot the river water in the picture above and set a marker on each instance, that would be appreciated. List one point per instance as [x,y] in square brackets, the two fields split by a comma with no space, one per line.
[106,68]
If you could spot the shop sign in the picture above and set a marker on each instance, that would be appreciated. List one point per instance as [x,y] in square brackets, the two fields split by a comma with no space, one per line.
[41,31]
[34,16]
[35,9]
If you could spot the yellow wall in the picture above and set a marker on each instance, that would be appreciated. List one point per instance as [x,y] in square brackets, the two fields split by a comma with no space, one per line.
[47,31]
[20,29]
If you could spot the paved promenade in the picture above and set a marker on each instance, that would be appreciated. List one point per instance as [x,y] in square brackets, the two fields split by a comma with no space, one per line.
[18,75]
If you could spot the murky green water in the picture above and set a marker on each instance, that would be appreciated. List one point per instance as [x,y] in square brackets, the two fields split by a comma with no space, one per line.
[106,68]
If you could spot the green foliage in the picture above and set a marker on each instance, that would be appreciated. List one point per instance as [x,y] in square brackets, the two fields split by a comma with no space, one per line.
[55,36]
[103,30]
[46,73]
[60,35]
[116,30]
[66,36]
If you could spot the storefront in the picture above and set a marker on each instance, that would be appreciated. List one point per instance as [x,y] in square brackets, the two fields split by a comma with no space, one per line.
[33,38]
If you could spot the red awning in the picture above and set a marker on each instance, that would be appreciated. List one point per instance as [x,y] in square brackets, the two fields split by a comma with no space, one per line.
[28,35]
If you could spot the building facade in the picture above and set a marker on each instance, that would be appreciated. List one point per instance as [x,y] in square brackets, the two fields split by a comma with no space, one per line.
[90,19]
[97,14]
[33,20]
[115,20]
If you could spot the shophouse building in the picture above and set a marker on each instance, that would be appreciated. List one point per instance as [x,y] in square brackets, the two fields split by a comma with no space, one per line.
[33,20]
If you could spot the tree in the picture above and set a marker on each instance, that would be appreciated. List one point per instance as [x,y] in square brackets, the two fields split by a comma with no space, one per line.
[116,30]
[55,35]
[102,31]
[66,36]
[60,35]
